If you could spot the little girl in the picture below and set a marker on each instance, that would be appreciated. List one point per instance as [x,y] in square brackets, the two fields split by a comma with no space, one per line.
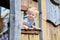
[29,21]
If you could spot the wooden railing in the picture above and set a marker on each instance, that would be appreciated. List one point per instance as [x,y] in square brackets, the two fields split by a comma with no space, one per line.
[31,31]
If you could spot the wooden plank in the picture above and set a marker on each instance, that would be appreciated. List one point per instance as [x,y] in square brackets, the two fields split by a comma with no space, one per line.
[24,36]
[37,20]
[44,30]
[40,18]
[30,31]
[54,32]
[15,22]
[25,4]
[34,37]
[58,32]
[48,31]
[33,4]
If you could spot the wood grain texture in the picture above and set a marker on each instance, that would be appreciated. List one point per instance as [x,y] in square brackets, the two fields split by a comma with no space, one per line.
[34,37]
[44,28]
[54,32]
[24,36]
[37,20]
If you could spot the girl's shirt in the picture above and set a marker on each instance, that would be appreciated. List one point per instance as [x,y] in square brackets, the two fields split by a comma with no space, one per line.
[28,23]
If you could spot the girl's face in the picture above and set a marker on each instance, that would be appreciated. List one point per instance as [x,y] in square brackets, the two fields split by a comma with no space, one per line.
[30,15]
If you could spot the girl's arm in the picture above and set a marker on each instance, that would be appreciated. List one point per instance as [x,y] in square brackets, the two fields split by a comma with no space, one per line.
[24,25]
[33,26]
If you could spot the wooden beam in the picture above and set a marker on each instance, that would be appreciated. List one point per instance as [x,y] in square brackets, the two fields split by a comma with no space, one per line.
[44,28]
[15,22]
[40,18]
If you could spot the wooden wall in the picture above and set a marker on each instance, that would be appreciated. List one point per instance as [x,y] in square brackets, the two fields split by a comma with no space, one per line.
[44,27]
[53,16]
[30,37]
[54,32]
[50,32]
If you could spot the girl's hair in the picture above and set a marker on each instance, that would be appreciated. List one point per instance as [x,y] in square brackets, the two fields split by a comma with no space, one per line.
[33,9]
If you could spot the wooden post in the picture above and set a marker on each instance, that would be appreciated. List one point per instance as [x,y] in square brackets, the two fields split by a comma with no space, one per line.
[15,22]
[44,28]
[40,17]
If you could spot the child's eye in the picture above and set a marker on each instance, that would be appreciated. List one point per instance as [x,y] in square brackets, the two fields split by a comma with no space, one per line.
[29,13]
[32,14]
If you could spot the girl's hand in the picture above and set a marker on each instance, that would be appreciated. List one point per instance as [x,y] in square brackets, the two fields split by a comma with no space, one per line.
[33,26]
[26,28]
